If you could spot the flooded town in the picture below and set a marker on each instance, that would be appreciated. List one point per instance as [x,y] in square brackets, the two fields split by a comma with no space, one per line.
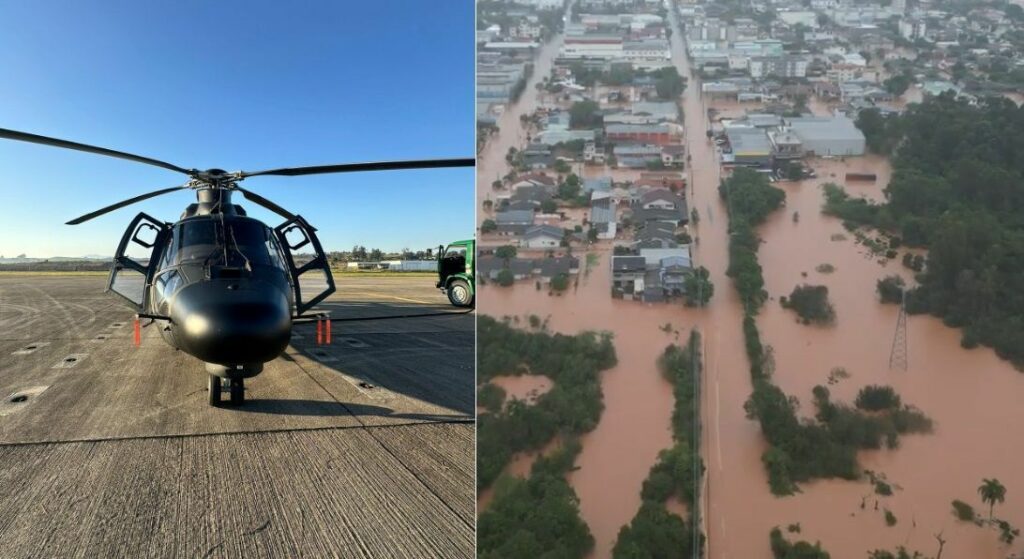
[735,301]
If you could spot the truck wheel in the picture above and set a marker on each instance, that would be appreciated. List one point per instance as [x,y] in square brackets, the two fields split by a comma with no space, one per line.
[459,293]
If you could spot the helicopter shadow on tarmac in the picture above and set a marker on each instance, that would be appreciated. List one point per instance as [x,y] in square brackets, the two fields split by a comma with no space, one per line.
[274,406]
[393,370]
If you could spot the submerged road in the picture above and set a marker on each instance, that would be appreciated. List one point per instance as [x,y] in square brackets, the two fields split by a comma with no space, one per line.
[363,448]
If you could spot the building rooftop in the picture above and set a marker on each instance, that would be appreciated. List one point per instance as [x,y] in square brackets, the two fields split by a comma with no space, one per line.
[811,129]
[748,141]
[515,216]
[542,231]
[637,129]
[628,263]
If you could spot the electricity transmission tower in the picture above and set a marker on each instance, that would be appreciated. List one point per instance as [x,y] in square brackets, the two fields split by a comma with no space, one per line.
[898,354]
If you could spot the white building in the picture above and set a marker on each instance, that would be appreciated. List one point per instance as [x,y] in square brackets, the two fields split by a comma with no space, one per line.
[781,66]
[806,18]
[604,47]
[646,52]
[911,30]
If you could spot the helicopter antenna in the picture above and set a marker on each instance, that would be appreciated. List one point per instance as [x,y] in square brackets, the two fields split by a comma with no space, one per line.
[234,242]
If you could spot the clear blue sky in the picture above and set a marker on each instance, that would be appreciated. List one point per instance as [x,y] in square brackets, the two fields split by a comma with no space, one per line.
[237,85]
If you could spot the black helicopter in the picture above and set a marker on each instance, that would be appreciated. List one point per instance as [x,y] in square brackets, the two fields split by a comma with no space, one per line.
[224,286]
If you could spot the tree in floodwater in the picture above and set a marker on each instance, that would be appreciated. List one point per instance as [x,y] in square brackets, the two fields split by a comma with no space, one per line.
[991,492]
[890,289]
[699,288]
[783,549]
[506,278]
[506,253]
[811,303]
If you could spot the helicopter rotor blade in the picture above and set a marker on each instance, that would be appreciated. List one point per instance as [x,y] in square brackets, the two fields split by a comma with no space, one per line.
[358,167]
[55,142]
[123,203]
[259,200]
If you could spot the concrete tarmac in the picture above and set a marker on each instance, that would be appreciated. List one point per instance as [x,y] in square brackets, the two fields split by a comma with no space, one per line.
[363,448]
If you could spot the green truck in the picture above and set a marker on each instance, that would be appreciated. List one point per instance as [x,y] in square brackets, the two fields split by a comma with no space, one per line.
[455,272]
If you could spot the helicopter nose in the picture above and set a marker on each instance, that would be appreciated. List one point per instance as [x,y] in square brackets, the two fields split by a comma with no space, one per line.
[232,322]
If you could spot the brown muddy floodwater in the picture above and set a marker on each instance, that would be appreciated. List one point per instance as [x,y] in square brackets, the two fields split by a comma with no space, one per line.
[970,394]
[635,426]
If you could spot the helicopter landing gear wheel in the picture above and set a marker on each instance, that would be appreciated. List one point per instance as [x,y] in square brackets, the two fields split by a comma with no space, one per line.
[213,387]
[459,294]
[237,391]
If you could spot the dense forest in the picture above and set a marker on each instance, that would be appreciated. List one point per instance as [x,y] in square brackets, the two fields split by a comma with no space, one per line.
[654,531]
[538,516]
[957,188]
[801,449]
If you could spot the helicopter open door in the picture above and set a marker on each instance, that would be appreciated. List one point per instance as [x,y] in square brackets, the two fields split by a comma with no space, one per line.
[129,276]
[294,235]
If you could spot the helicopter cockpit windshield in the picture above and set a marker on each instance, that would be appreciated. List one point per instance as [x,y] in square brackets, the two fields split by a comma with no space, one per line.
[241,241]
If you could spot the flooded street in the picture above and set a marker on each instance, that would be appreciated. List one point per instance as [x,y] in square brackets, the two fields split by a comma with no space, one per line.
[490,163]
[635,426]
[969,394]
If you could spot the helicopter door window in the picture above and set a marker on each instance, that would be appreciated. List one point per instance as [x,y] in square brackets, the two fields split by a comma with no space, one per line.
[295,237]
[146,235]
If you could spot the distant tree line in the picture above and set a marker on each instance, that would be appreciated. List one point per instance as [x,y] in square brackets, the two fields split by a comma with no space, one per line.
[360,253]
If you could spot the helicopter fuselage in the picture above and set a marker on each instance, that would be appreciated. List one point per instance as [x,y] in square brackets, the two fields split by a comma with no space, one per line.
[219,285]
